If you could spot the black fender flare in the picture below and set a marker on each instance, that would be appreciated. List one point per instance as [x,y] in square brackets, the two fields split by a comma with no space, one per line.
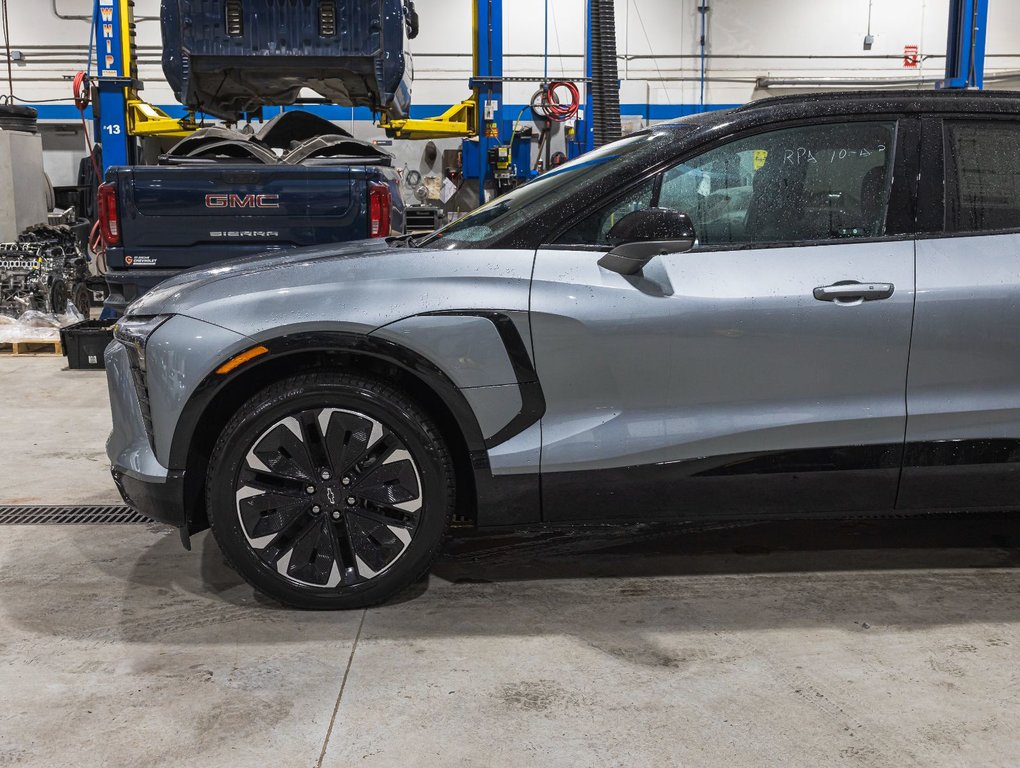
[325,342]
[506,499]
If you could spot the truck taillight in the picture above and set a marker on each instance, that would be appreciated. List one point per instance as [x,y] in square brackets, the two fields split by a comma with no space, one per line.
[109,218]
[380,201]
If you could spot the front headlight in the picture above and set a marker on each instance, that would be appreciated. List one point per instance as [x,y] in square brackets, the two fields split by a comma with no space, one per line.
[135,333]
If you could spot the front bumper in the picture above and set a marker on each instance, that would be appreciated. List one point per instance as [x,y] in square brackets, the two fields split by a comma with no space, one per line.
[147,411]
[144,484]
[162,501]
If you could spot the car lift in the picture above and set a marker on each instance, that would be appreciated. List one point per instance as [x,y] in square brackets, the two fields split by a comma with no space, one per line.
[965,45]
[120,113]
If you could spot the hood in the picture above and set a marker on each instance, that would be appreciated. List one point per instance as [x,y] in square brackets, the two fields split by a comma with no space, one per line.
[357,287]
[171,294]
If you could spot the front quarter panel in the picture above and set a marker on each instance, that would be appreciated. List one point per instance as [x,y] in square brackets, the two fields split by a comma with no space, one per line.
[466,348]
[487,356]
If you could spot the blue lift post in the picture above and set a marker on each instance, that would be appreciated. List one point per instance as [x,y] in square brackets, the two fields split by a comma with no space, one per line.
[113,57]
[965,46]
[493,129]
[489,85]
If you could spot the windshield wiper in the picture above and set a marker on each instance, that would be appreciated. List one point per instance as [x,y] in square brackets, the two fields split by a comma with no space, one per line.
[401,241]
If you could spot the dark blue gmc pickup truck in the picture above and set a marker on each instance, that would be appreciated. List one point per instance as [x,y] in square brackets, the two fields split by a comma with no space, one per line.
[220,194]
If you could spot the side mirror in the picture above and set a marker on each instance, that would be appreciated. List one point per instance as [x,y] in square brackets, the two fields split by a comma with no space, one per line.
[643,235]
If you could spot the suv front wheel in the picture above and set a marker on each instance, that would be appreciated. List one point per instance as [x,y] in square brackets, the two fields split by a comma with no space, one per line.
[330,490]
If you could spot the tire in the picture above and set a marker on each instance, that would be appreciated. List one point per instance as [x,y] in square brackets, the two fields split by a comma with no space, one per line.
[330,491]
[14,117]
[57,298]
[81,297]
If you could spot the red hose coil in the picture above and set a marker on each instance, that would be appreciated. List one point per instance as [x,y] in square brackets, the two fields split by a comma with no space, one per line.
[81,89]
[551,106]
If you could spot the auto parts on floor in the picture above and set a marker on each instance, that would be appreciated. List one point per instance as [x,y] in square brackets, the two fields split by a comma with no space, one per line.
[43,270]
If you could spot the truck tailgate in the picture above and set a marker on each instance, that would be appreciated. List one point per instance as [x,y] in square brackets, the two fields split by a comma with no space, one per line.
[177,216]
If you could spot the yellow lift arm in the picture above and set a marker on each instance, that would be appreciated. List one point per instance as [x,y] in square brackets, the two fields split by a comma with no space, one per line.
[458,121]
[144,119]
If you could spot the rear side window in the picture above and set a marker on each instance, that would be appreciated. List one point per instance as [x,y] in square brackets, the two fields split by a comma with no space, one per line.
[793,185]
[982,176]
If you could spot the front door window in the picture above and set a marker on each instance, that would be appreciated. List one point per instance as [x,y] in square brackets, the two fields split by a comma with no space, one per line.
[795,185]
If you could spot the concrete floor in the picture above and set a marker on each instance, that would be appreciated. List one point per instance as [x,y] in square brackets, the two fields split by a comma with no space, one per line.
[871,644]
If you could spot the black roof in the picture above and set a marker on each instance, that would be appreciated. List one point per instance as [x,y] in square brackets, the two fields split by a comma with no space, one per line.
[948,99]
[829,103]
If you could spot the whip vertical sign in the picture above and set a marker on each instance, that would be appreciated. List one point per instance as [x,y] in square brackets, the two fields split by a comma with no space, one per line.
[109,48]
[112,23]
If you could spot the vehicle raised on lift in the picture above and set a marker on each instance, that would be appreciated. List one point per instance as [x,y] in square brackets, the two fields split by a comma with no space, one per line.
[799,308]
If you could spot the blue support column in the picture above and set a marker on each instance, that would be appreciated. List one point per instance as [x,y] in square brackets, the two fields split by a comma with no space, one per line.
[965,45]
[114,68]
[489,64]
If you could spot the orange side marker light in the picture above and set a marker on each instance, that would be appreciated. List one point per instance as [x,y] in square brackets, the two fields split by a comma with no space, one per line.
[241,359]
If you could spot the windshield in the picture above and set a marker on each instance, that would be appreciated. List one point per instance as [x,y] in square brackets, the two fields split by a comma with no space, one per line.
[505,213]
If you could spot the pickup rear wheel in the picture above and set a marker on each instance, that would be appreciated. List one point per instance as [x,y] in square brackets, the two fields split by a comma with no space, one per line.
[330,491]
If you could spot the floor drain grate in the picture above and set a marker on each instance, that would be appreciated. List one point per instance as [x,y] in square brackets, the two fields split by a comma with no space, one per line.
[110,514]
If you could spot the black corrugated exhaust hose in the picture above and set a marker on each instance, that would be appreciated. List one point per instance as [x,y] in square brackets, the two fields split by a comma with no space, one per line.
[605,77]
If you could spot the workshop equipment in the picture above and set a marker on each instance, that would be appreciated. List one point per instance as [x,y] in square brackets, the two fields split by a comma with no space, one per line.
[84,343]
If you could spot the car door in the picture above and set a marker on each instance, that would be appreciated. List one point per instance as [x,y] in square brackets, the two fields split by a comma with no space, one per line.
[963,392]
[715,382]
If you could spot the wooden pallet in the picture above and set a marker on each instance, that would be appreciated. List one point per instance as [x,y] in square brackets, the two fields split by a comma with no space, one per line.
[49,347]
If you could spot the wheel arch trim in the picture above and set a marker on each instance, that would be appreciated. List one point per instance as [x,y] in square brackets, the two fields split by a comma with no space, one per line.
[521,489]
[324,343]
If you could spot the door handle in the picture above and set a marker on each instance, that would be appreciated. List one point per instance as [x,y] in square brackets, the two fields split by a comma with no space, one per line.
[852,292]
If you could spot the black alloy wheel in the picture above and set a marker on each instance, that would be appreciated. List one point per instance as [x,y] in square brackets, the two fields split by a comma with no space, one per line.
[330,491]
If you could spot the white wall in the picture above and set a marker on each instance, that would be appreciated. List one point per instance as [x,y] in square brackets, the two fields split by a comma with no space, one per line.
[777,38]
[657,39]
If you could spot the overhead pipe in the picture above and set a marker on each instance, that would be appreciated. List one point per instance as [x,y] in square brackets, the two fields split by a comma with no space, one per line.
[68,17]
[639,56]
[75,17]
[545,57]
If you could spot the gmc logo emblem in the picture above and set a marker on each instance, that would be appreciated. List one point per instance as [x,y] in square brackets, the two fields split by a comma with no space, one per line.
[242,201]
